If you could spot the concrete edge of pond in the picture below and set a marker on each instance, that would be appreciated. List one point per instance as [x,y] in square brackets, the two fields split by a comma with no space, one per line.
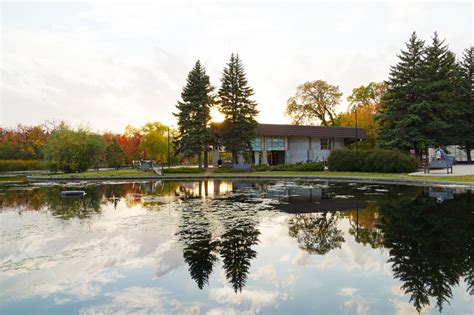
[361,179]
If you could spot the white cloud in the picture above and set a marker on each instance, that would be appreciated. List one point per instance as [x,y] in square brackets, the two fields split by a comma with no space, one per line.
[141,300]
[251,300]
[127,62]
[73,260]
[354,301]
[268,273]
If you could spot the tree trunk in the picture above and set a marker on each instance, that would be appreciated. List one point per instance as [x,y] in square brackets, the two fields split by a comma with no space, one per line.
[199,160]
[468,153]
[206,157]
[234,156]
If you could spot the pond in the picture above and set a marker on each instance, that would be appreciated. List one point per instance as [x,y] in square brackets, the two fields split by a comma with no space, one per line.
[236,247]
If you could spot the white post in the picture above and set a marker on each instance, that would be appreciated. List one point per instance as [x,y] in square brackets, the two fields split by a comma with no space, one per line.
[287,151]
[215,156]
[257,157]
[264,151]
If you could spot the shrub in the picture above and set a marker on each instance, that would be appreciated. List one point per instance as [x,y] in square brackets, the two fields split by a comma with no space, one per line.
[307,167]
[298,167]
[229,169]
[374,160]
[345,160]
[72,150]
[183,170]
[21,165]
[261,168]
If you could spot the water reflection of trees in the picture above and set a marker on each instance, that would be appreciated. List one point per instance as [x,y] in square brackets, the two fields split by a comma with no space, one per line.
[199,249]
[236,250]
[202,245]
[317,233]
[365,225]
[431,246]
[73,207]
[22,200]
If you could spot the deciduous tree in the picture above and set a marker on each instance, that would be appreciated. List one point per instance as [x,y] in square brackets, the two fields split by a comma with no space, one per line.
[314,103]
[129,141]
[154,143]
[71,150]
[114,155]
[366,100]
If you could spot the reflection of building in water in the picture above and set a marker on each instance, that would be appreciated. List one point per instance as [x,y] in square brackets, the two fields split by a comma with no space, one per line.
[298,199]
[204,188]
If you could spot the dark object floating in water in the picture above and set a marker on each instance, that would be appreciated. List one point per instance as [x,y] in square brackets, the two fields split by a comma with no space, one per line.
[67,193]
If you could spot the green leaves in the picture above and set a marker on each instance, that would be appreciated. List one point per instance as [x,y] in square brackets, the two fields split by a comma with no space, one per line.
[71,150]
[238,108]
[314,102]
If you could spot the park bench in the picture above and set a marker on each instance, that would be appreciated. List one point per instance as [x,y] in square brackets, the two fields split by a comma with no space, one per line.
[242,166]
[446,163]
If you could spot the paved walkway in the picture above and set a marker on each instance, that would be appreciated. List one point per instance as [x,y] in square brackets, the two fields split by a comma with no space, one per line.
[458,170]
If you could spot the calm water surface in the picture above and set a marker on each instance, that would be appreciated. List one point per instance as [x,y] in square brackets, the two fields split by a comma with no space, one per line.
[236,247]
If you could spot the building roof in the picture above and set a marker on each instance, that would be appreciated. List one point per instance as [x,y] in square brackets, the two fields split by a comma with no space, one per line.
[275,130]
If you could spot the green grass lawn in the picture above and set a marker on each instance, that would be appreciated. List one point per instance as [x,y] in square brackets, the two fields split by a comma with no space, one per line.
[102,173]
[211,173]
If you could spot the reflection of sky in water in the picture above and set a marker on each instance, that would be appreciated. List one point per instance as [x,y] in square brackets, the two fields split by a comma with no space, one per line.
[128,256]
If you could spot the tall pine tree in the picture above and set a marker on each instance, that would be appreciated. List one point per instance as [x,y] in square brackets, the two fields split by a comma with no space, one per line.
[439,93]
[402,107]
[194,114]
[464,128]
[239,110]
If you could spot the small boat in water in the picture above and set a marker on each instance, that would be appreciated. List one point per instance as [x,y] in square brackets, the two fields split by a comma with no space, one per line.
[68,193]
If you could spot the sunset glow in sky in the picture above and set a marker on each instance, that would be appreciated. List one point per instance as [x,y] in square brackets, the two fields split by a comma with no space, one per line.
[108,65]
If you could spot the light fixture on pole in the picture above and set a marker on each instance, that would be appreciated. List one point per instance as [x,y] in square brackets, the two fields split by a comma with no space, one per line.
[169,154]
[355,111]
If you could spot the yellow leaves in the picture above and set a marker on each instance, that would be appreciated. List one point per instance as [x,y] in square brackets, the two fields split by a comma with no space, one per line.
[314,102]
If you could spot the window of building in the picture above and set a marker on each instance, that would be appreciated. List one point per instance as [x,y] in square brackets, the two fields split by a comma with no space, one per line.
[275,144]
[325,144]
[257,144]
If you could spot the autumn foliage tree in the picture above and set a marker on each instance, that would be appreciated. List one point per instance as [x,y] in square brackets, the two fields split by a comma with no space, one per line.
[314,103]
[23,142]
[129,141]
[154,143]
[366,100]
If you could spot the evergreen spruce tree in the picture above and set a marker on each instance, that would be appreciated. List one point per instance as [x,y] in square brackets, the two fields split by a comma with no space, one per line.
[194,114]
[439,104]
[239,110]
[464,120]
[403,108]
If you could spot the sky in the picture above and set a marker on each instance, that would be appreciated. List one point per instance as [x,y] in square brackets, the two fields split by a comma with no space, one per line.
[107,65]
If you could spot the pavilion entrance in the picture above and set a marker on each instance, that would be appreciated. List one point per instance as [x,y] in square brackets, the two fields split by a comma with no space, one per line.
[276,157]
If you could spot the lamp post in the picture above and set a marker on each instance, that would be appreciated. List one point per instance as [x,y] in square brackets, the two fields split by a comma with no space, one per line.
[355,111]
[169,154]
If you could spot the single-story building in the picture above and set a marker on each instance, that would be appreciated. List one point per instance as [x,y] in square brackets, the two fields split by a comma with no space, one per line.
[286,144]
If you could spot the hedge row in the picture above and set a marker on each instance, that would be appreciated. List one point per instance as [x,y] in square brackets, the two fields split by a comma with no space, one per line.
[183,170]
[374,160]
[21,165]
[298,167]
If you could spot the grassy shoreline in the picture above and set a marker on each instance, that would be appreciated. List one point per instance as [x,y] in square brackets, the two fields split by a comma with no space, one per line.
[210,174]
